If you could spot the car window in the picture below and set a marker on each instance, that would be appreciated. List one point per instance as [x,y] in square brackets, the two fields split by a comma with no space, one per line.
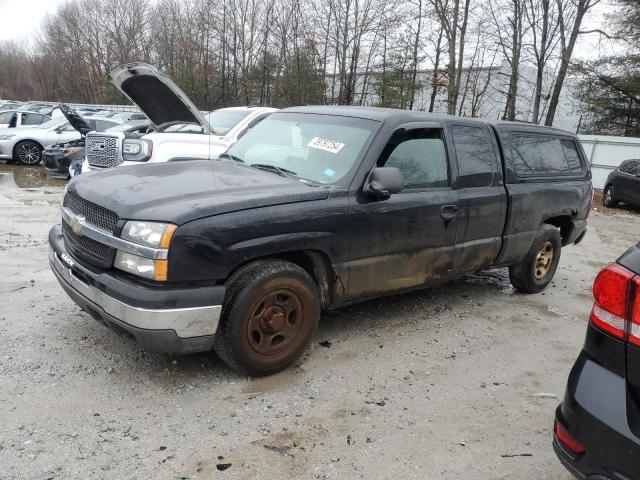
[222,121]
[52,123]
[5,117]
[420,155]
[475,154]
[31,119]
[538,155]
[137,116]
[321,148]
[67,127]
[573,157]
[102,125]
[629,166]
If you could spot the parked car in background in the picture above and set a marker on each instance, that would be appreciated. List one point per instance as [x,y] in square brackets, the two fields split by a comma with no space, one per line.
[8,105]
[314,208]
[44,108]
[181,131]
[127,116]
[597,428]
[64,160]
[623,185]
[18,118]
[25,145]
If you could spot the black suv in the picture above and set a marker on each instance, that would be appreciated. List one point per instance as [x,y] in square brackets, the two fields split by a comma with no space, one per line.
[623,185]
[314,208]
[597,428]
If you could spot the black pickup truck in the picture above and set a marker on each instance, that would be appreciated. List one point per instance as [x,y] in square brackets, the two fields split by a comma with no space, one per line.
[314,208]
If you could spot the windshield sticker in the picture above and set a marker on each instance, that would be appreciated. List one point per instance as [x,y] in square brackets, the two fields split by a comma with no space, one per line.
[330,146]
[329,173]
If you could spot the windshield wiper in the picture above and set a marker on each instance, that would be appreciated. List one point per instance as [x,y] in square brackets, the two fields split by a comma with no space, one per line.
[230,157]
[283,172]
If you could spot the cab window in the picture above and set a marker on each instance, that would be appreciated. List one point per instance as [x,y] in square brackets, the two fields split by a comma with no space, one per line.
[421,157]
[475,154]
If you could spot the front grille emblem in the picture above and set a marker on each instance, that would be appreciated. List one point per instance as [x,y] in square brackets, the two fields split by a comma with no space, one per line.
[75,223]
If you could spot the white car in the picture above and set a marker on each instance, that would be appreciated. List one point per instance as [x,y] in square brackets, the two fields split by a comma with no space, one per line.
[25,144]
[22,118]
[181,131]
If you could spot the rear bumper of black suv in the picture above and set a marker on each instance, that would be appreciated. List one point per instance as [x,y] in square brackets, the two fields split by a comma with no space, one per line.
[178,320]
[594,413]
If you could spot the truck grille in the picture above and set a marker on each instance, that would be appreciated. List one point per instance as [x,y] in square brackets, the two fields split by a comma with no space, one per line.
[94,214]
[85,248]
[102,151]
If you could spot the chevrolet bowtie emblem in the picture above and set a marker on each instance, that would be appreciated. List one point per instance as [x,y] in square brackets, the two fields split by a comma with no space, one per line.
[75,223]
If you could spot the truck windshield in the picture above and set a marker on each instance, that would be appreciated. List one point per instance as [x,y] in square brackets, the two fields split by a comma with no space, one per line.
[320,148]
[222,121]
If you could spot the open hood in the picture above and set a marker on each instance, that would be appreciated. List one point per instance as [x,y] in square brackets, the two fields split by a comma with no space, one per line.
[156,95]
[75,120]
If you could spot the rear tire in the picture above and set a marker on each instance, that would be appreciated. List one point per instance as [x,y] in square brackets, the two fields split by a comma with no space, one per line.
[27,153]
[539,266]
[608,197]
[270,312]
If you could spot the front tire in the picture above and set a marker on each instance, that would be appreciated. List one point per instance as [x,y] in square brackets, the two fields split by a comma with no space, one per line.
[539,266]
[608,197]
[270,312]
[27,153]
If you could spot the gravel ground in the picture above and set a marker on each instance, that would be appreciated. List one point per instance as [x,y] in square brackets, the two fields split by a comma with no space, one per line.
[438,384]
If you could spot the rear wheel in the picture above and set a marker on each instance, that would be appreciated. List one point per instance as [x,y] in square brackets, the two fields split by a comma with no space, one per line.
[27,153]
[608,198]
[270,313]
[539,266]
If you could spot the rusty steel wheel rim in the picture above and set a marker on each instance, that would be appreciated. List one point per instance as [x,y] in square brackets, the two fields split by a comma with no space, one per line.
[276,322]
[544,259]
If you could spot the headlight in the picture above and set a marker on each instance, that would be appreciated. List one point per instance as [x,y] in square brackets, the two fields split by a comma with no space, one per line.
[71,151]
[134,150]
[151,234]
[141,266]
[6,137]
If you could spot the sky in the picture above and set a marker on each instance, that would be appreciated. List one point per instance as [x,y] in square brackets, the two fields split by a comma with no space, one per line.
[22,18]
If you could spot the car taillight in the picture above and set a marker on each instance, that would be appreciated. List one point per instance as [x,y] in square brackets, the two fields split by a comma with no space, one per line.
[612,291]
[567,440]
[634,327]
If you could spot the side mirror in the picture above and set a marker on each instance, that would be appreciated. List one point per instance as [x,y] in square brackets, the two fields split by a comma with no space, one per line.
[383,182]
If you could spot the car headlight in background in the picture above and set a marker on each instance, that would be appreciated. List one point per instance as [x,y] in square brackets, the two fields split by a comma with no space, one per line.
[136,150]
[6,137]
[150,234]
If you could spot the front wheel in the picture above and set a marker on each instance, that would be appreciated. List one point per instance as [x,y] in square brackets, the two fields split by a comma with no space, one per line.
[27,153]
[608,198]
[270,312]
[539,266]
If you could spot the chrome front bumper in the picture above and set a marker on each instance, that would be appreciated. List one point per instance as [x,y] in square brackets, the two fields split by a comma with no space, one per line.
[185,322]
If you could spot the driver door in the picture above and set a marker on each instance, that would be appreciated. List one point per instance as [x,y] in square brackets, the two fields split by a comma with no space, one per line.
[407,240]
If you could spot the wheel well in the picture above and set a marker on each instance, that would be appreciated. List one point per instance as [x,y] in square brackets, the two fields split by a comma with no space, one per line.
[315,263]
[564,224]
[26,140]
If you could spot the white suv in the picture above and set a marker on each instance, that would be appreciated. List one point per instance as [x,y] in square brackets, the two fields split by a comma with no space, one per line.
[181,132]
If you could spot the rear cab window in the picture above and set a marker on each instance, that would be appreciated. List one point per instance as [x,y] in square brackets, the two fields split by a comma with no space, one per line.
[476,156]
[534,154]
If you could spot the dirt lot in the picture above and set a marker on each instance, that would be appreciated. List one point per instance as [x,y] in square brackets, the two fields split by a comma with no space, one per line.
[440,384]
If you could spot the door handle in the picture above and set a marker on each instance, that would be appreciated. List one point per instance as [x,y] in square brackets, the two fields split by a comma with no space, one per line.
[447,212]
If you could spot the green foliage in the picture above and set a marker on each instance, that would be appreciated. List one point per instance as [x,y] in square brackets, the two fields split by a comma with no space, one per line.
[610,91]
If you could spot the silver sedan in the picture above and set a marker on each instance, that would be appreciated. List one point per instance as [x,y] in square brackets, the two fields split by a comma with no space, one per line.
[25,144]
